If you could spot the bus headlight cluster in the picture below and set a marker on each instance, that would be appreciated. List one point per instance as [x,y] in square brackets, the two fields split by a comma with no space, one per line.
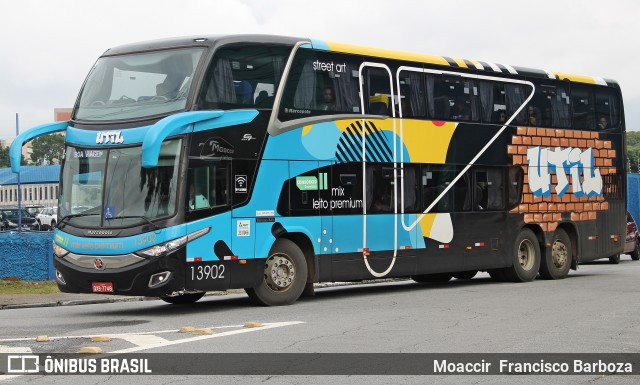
[59,251]
[163,248]
[173,245]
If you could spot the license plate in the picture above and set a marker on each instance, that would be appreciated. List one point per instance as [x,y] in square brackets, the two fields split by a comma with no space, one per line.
[102,287]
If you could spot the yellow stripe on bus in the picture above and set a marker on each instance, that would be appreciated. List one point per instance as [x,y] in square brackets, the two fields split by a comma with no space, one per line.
[386,53]
[574,77]
[460,62]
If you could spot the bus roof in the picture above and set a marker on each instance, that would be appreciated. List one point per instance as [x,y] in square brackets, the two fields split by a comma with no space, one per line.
[477,65]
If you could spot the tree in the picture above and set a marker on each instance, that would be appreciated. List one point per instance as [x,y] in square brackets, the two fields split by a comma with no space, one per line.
[47,149]
[4,158]
[633,150]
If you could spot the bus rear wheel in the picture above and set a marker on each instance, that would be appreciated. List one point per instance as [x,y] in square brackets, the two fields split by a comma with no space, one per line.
[556,263]
[183,299]
[526,258]
[284,278]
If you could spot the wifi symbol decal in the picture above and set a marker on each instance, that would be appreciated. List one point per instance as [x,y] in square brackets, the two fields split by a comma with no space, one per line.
[241,184]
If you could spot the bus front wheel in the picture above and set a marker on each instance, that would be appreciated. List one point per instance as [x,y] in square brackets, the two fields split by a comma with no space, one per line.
[526,258]
[556,263]
[284,278]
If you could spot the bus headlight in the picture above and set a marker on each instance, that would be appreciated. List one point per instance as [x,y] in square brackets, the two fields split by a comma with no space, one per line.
[163,248]
[173,245]
[59,251]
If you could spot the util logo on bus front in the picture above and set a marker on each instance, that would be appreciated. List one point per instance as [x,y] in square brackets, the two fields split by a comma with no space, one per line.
[109,137]
[563,161]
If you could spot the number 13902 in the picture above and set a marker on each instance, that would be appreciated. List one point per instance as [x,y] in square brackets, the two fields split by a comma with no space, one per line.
[204,272]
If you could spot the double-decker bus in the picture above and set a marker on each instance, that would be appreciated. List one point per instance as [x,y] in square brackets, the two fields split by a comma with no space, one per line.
[269,163]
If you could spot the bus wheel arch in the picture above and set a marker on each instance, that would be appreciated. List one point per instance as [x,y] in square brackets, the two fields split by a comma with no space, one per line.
[284,277]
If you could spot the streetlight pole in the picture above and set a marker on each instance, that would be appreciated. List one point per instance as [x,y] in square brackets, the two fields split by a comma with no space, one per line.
[19,188]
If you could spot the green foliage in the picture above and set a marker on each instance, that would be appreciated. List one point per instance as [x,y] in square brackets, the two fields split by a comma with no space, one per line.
[47,149]
[633,150]
[4,158]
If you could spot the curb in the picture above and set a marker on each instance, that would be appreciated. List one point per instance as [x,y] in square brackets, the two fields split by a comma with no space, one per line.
[72,302]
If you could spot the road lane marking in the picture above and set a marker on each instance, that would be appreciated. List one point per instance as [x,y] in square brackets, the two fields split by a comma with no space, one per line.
[116,335]
[206,337]
[14,349]
[142,339]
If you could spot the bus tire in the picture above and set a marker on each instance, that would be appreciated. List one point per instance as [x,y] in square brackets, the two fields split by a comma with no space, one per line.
[183,299]
[432,278]
[615,259]
[526,258]
[557,262]
[284,278]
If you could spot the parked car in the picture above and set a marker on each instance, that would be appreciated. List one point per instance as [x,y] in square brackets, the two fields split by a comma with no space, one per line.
[47,218]
[33,210]
[632,241]
[9,220]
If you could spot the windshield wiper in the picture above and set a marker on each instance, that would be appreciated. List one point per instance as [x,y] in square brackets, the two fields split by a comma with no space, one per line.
[135,216]
[74,216]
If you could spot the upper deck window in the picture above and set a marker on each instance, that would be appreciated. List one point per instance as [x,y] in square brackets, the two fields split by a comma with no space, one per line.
[321,83]
[138,85]
[244,76]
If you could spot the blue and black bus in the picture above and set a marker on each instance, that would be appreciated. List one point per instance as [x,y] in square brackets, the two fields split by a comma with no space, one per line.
[270,163]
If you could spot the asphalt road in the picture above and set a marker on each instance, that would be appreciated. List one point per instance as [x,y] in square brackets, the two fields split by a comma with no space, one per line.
[594,310]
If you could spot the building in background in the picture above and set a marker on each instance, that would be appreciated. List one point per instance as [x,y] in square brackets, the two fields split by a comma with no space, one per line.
[39,184]
[61,114]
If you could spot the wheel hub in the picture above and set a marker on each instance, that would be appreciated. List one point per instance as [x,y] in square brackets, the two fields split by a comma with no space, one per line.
[559,254]
[279,272]
[526,253]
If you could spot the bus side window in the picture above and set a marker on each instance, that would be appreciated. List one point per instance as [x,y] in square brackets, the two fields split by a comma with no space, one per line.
[583,107]
[607,107]
[208,185]
[489,188]
[321,83]
[377,92]
[515,181]
[454,98]
[380,182]
[435,179]
[492,101]
[244,75]
[412,95]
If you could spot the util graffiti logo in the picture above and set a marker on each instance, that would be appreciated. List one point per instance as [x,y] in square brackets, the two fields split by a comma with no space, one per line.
[563,161]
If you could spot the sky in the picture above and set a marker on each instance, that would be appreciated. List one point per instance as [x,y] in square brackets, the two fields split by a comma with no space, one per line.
[48,47]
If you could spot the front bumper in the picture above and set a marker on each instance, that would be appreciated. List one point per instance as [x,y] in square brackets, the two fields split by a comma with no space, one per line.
[129,280]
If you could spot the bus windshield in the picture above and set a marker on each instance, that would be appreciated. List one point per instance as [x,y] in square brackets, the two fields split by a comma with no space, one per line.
[110,188]
[137,85]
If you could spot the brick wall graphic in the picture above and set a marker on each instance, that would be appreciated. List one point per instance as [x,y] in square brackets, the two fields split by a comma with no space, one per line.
[569,180]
